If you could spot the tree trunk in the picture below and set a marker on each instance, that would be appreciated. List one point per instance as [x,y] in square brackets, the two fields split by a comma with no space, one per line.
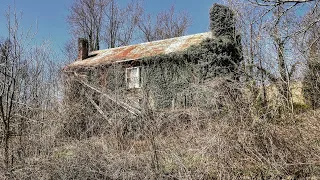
[6,146]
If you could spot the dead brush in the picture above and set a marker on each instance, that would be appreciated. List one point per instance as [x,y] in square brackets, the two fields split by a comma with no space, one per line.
[228,142]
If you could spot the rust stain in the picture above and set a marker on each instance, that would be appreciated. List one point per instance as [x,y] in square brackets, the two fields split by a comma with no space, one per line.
[125,53]
[139,51]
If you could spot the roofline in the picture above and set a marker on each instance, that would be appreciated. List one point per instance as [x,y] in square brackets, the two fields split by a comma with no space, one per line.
[152,42]
[74,64]
[120,61]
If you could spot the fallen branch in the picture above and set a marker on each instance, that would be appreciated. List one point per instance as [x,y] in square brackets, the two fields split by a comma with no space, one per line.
[125,106]
[98,108]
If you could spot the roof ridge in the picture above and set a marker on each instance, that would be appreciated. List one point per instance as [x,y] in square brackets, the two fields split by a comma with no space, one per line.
[144,43]
[138,51]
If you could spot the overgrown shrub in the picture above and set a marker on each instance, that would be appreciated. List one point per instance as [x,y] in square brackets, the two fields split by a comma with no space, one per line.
[192,143]
[311,86]
[222,22]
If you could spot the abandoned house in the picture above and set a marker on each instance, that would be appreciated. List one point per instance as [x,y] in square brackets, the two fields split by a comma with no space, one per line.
[156,75]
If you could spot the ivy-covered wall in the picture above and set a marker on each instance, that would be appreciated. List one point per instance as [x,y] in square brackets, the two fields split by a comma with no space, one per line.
[167,78]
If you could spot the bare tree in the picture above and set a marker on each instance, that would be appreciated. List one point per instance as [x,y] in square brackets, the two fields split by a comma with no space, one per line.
[310,45]
[167,25]
[28,85]
[216,135]
[7,93]
[249,24]
[11,71]
[86,20]
[283,26]
[279,22]
[70,50]
[278,2]
[106,21]
[121,23]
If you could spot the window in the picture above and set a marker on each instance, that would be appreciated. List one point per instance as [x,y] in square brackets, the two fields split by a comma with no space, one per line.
[133,77]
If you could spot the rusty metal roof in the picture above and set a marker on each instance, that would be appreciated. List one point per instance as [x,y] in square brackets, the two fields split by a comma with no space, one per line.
[138,51]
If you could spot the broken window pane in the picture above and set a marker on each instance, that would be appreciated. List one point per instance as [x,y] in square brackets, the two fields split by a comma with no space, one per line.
[133,77]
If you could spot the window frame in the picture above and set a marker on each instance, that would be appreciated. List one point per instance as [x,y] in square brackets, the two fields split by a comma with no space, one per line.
[127,71]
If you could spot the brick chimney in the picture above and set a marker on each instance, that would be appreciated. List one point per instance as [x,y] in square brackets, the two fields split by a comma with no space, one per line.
[83,49]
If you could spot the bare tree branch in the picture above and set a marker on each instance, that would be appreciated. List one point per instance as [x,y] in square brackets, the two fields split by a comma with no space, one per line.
[167,25]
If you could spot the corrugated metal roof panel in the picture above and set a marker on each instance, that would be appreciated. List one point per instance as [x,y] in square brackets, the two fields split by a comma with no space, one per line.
[139,51]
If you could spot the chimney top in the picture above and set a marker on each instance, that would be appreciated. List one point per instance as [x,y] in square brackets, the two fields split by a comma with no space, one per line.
[83,49]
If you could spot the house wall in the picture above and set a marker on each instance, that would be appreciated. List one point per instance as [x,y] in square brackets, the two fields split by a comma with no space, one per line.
[167,79]
[164,84]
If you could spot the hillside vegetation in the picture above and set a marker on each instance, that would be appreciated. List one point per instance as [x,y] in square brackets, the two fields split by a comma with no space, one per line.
[247,117]
[220,143]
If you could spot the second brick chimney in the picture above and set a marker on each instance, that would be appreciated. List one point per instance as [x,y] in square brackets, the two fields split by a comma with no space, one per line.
[83,49]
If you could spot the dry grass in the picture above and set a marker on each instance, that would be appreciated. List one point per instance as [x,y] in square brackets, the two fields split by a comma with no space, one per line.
[290,147]
[230,140]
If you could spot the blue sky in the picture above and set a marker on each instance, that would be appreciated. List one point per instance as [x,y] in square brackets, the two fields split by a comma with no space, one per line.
[48,17]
